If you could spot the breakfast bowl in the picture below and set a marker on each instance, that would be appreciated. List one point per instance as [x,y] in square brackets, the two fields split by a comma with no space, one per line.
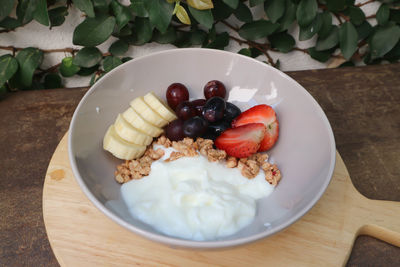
[304,152]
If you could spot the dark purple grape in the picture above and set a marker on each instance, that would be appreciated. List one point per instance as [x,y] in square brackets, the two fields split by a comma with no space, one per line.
[214,88]
[185,110]
[216,128]
[176,93]
[195,127]
[214,109]
[198,104]
[231,112]
[174,130]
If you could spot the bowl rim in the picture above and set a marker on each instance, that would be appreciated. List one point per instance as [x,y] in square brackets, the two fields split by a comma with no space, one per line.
[177,242]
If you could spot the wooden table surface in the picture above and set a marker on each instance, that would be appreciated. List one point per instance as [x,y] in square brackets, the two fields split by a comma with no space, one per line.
[362,105]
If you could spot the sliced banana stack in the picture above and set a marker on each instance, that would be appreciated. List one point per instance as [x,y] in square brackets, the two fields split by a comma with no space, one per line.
[121,148]
[157,104]
[137,121]
[147,112]
[134,129]
[131,134]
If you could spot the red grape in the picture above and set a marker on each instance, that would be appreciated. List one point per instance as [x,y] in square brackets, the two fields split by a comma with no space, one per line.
[174,130]
[198,105]
[185,110]
[214,109]
[214,88]
[176,93]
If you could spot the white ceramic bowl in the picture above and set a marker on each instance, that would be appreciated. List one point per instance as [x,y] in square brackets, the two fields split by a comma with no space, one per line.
[305,151]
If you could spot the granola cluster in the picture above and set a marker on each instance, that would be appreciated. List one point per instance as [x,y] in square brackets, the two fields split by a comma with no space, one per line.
[249,167]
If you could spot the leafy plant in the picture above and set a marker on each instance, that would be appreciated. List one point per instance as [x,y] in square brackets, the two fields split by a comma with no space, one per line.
[341,28]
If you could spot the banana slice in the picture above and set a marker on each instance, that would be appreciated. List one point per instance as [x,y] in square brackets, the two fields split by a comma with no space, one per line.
[121,148]
[131,116]
[158,105]
[147,112]
[129,133]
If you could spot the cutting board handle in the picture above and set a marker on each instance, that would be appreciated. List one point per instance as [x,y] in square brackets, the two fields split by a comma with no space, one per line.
[381,233]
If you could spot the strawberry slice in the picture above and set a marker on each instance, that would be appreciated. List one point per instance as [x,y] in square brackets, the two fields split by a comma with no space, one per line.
[261,114]
[241,141]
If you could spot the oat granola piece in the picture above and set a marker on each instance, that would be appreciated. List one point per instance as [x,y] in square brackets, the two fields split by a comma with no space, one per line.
[249,168]
[214,155]
[174,156]
[273,175]
[164,141]
[203,145]
[185,147]
[231,162]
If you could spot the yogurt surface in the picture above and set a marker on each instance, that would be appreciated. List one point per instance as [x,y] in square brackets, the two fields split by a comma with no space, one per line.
[193,198]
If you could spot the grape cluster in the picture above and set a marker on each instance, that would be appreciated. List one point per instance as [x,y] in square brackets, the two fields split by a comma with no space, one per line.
[206,118]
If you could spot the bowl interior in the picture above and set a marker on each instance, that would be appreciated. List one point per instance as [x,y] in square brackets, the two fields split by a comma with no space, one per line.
[305,151]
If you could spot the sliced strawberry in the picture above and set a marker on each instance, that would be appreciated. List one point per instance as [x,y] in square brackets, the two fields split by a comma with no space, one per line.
[261,114]
[241,141]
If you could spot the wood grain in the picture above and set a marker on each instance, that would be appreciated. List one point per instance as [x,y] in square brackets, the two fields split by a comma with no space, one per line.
[81,235]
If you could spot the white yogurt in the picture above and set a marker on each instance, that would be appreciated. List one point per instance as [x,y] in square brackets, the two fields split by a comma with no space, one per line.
[195,199]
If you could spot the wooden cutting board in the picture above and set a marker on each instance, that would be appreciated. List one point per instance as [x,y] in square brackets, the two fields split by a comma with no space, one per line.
[80,235]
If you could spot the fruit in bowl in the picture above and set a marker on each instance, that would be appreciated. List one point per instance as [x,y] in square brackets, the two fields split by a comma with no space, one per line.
[305,158]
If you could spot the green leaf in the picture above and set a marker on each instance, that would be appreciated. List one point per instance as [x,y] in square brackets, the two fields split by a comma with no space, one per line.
[85,6]
[243,13]
[160,13]
[126,59]
[383,40]
[182,39]
[88,71]
[28,60]
[256,2]
[6,8]
[25,9]
[274,9]
[197,37]
[118,48]
[87,57]
[57,15]
[321,56]
[101,6]
[395,15]
[330,41]
[382,15]
[8,67]
[336,5]
[122,14]
[95,77]
[257,29]
[68,68]
[310,30]
[231,3]
[288,17]
[221,11]
[255,52]
[10,23]
[204,17]
[41,15]
[52,80]
[394,54]
[326,26]
[138,8]
[220,41]
[348,39]
[93,31]
[143,30]
[110,63]
[356,15]
[364,30]
[346,64]
[125,31]
[165,38]
[282,41]
[306,12]
[245,52]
